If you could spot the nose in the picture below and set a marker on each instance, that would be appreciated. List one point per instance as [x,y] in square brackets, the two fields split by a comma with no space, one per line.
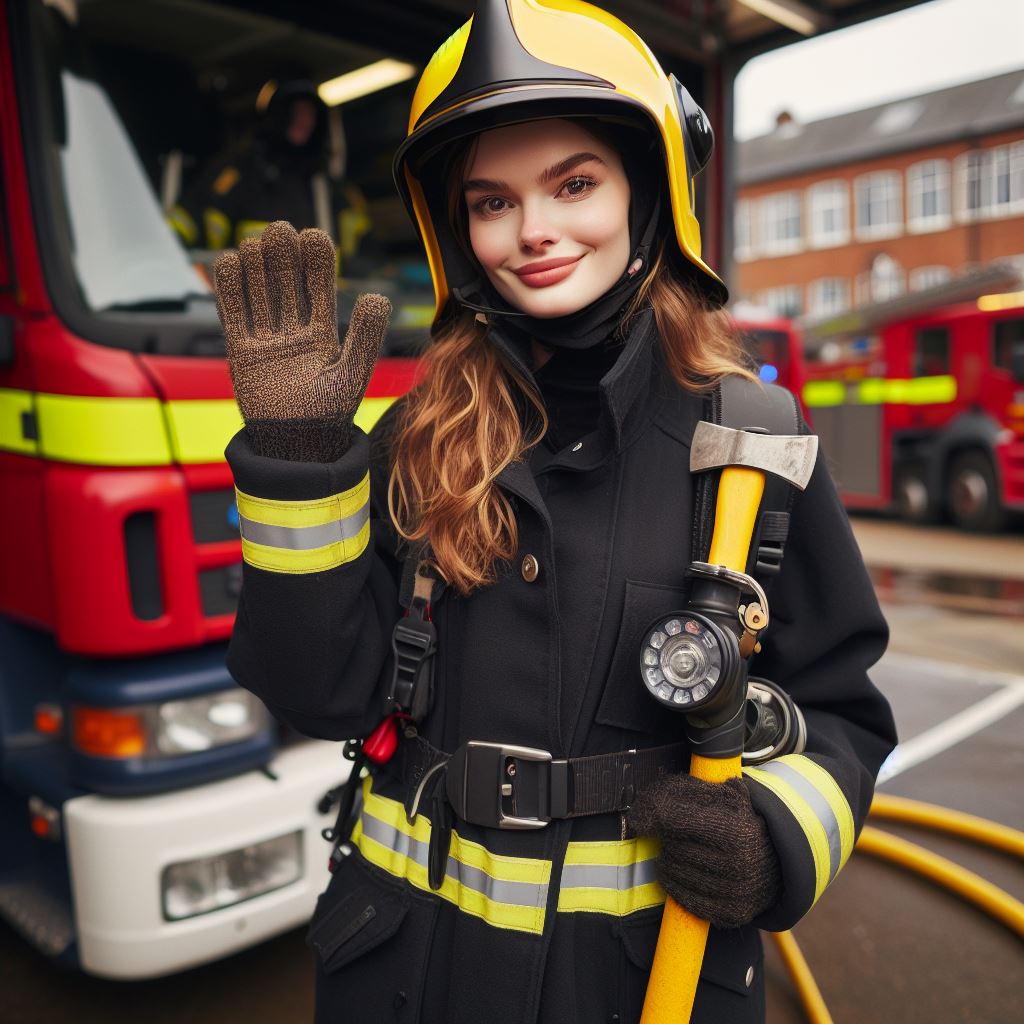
[537,230]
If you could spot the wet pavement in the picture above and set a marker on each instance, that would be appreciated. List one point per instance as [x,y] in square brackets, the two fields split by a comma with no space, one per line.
[883,945]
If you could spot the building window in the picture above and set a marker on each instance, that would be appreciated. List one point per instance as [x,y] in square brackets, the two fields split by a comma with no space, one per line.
[886,278]
[783,301]
[829,214]
[781,231]
[928,196]
[931,352]
[928,277]
[879,207]
[991,182]
[744,227]
[828,296]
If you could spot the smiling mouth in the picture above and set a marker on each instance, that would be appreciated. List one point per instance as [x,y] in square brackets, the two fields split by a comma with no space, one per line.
[544,273]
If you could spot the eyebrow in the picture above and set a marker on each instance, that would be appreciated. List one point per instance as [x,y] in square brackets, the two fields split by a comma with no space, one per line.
[553,172]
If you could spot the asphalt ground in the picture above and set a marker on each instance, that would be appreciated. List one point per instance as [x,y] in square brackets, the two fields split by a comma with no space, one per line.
[883,945]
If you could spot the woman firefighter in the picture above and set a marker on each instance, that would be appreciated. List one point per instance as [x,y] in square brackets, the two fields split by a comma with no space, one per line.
[487,564]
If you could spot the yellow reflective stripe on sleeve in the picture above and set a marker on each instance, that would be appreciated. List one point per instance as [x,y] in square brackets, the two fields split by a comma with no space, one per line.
[615,877]
[506,892]
[794,795]
[201,428]
[370,411]
[15,406]
[296,561]
[305,536]
[102,431]
[829,789]
[297,514]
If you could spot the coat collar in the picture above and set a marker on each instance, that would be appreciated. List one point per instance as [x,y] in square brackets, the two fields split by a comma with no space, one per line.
[639,388]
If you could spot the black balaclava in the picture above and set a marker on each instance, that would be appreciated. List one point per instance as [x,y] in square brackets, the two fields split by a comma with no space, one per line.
[597,322]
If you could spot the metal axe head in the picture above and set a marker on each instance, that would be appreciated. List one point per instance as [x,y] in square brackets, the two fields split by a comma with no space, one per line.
[791,458]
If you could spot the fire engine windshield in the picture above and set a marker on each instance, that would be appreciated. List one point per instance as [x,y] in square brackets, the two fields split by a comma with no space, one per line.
[124,254]
[152,143]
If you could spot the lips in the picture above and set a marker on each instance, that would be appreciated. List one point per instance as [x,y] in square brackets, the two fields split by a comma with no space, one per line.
[544,273]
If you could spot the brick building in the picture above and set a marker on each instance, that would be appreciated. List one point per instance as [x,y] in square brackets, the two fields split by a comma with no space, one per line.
[867,205]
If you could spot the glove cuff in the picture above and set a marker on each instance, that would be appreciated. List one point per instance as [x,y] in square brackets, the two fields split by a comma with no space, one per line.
[316,439]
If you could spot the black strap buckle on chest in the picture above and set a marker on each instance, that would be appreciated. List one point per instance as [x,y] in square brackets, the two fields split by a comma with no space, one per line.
[414,643]
[506,786]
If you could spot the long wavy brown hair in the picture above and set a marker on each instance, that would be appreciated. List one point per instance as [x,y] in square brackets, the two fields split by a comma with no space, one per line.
[474,414]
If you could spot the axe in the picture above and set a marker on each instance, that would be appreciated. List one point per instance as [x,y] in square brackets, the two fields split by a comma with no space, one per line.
[744,457]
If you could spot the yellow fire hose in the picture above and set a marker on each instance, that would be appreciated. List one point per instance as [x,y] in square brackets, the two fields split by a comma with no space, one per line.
[683,936]
[806,986]
[942,819]
[990,898]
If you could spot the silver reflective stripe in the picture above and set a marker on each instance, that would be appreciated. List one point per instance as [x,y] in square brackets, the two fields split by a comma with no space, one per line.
[517,894]
[818,804]
[304,538]
[609,876]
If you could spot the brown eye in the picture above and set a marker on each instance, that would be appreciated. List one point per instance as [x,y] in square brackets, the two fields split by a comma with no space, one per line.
[574,188]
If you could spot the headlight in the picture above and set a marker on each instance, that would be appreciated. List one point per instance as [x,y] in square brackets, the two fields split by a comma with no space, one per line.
[187,726]
[169,729]
[193,887]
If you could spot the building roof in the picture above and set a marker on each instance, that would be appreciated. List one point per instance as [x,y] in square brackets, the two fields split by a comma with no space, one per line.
[959,112]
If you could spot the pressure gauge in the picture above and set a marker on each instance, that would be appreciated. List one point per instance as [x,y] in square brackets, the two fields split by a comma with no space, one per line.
[686,659]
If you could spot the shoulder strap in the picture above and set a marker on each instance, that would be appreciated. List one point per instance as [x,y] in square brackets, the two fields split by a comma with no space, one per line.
[744,404]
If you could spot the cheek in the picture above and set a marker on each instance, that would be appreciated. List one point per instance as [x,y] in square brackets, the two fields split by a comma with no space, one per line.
[489,242]
[606,222]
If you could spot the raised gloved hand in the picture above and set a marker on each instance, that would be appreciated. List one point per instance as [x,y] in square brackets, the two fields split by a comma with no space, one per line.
[717,859]
[298,389]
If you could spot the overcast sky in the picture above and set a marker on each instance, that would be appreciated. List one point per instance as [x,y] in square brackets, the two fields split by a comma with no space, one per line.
[930,46]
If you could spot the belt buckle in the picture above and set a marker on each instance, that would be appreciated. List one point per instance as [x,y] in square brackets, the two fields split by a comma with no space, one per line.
[488,778]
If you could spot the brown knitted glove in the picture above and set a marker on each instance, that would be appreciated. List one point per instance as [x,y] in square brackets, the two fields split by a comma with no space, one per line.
[717,859]
[296,386]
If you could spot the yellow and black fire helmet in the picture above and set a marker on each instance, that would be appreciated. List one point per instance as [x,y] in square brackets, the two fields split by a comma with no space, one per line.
[522,60]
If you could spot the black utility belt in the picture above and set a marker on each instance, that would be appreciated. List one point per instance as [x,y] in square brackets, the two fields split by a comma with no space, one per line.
[503,785]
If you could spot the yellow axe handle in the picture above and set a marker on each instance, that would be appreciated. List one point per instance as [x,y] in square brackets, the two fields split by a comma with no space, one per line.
[681,941]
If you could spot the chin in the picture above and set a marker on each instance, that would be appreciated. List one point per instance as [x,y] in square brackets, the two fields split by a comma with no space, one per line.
[548,307]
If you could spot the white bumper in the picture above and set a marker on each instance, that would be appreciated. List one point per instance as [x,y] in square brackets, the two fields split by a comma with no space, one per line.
[118,847]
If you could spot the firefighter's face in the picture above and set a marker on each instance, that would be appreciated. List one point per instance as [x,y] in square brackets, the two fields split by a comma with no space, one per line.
[548,211]
[301,122]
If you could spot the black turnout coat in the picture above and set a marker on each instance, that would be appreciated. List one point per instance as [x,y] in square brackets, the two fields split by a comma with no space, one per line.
[559,924]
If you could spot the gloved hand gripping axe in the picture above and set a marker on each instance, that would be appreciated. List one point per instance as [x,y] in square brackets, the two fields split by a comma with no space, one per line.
[695,660]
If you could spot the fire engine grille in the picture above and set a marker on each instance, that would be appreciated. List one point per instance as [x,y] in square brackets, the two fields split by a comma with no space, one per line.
[214,516]
[219,589]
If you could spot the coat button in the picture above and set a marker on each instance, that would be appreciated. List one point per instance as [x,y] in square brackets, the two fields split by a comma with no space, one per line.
[531,568]
[750,976]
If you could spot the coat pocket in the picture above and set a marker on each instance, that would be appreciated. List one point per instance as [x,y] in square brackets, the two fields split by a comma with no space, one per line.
[625,703]
[349,921]
[372,938]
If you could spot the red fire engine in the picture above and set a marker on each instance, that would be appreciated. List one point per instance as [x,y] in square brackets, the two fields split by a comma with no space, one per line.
[153,815]
[919,401]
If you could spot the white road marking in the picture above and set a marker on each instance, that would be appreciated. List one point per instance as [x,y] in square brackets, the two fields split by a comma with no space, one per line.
[954,730]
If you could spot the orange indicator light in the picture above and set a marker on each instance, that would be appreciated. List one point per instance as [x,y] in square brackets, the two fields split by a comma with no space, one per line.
[106,733]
